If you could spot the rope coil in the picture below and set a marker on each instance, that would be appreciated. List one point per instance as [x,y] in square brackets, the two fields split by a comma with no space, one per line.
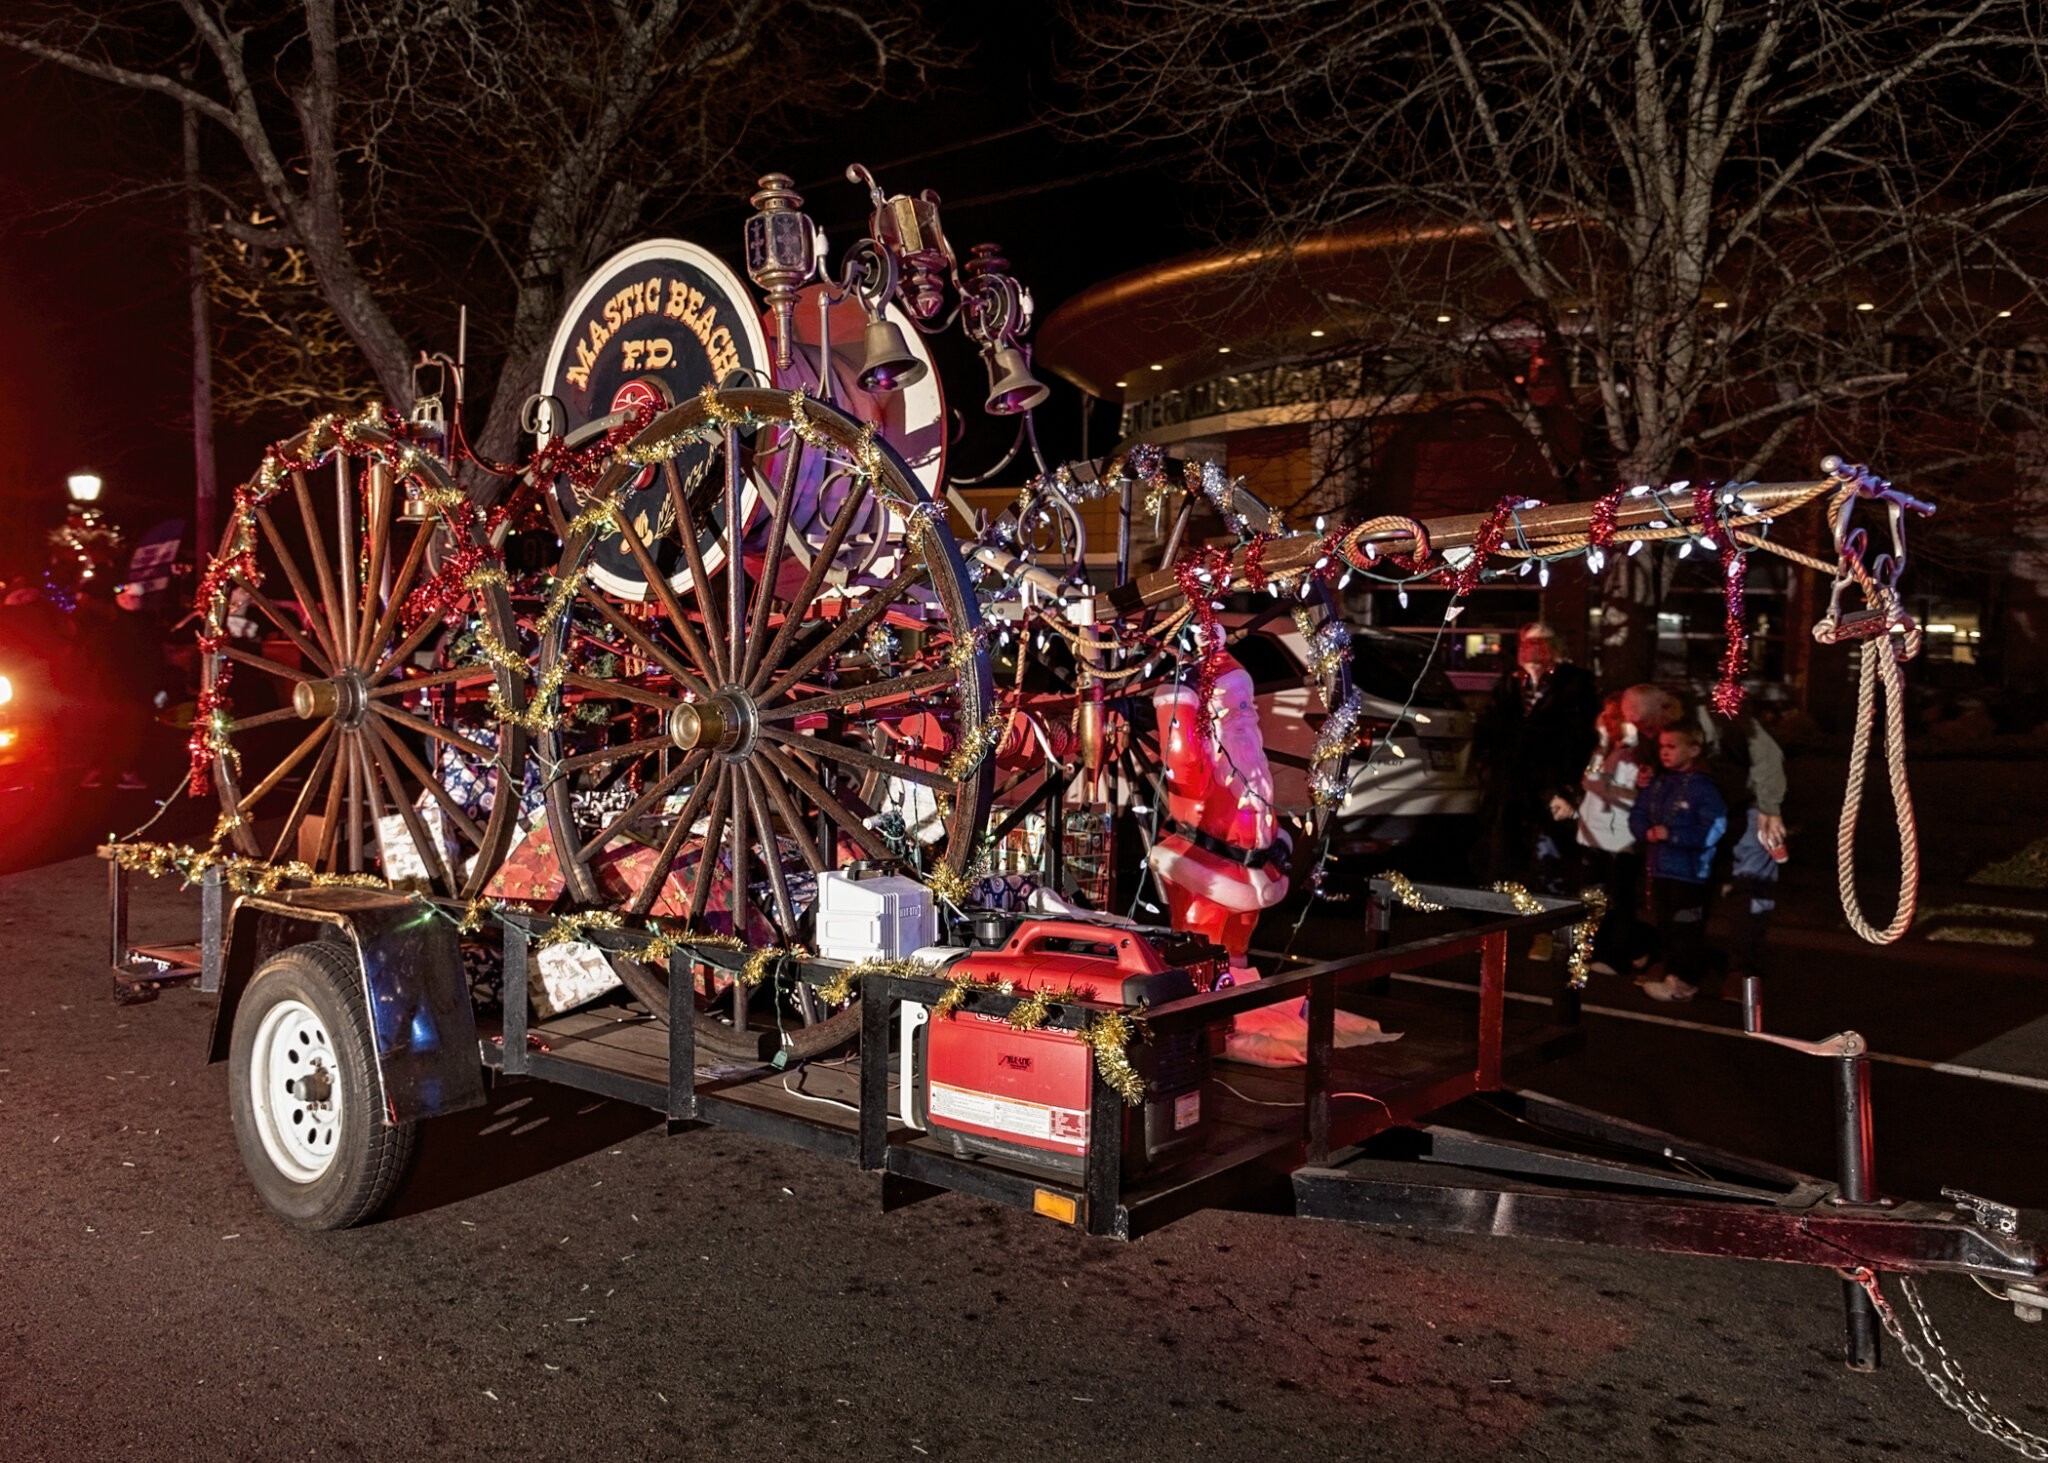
[1876,627]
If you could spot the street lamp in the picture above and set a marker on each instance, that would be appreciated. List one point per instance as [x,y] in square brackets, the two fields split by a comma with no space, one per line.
[84,486]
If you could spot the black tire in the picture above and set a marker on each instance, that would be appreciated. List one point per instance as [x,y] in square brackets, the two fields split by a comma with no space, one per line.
[326,1164]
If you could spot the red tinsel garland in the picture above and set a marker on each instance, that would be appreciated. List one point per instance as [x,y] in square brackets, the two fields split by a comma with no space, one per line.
[1728,695]
[1485,543]
[1600,530]
[1203,574]
[210,596]
[1255,561]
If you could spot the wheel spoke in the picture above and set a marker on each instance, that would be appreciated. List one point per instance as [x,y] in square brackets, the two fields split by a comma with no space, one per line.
[370,787]
[740,901]
[693,555]
[305,799]
[355,808]
[614,754]
[345,536]
[874,694]
[707,857]
[665,858]
[619,690]
[643,642]
[815,576]
[330,822]
[414,638]
[316,545]
[848,629]
[655,791]
[793,819]
[665,592]
[276,615]
[431,783]
[849,822]
[866,761]
[771,558]
[250,658]
[408,684]
[283,769]
[771,856]
[400,588]
[322,622]
[373,571]
[735,558]
[429,729]
[262,718]
[429,848]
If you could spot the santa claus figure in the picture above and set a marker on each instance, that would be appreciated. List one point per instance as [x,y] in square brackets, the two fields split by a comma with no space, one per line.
[1224,856]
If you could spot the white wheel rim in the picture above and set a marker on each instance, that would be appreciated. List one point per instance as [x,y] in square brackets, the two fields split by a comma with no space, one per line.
[295,1091]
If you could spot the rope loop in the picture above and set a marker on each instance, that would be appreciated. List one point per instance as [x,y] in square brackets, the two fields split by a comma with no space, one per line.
[1896,640]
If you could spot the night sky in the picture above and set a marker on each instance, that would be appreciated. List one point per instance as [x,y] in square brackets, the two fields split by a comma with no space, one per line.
[95,312]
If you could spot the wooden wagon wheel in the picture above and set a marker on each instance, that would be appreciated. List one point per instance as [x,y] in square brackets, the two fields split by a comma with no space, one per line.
[339,730]
[730,747]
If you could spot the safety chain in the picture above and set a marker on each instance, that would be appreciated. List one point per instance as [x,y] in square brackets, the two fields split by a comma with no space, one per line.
[1949,1383]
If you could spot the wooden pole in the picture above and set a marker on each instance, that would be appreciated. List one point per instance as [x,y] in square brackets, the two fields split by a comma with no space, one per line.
[1297,552]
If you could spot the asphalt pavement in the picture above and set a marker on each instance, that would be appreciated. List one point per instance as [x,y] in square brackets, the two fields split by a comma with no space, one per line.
[561,1278]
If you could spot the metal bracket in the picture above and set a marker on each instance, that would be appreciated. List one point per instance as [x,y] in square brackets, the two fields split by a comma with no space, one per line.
[1986,1214]
[1841,1044]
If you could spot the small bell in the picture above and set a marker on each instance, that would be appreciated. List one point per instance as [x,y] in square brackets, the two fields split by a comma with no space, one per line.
[886,362]
[1012,387]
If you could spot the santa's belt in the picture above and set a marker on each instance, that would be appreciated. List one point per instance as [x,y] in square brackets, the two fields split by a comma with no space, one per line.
[1251,858]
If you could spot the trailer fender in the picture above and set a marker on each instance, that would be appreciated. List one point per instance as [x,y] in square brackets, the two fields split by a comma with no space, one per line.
[413,986]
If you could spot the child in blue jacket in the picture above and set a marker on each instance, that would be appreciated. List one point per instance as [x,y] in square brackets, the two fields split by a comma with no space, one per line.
[1679,818]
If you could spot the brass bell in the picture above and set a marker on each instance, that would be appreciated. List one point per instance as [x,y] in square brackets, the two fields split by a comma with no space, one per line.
[887,364]
[1012,387]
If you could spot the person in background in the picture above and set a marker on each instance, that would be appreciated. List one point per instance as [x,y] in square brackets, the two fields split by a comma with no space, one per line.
[1680,817]
[1623,762]
[1532,743]
[1750,770]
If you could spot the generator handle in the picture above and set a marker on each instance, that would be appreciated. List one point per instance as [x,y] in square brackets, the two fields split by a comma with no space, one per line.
[1134,955]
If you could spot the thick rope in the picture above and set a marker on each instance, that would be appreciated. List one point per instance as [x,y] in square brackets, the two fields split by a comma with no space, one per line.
[1880,665]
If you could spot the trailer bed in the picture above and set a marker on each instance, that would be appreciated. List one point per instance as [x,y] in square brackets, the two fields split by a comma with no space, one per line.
[1255,1127]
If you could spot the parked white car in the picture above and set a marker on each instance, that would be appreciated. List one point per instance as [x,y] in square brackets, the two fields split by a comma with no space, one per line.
[1419,764]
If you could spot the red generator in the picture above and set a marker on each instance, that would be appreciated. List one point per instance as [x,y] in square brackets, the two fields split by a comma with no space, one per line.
[992,1089]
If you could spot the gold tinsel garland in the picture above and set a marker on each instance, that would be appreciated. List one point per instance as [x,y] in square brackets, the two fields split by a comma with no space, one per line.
[569,928]
[960,987]
[845,985]
[1595,900]
[1036,1009]
[241,874]
[1523,901]
[966,759]
[1109,1036]
[1406,896]
[947,885]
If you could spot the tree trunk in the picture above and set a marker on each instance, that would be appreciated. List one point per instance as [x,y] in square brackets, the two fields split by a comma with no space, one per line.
[205,500]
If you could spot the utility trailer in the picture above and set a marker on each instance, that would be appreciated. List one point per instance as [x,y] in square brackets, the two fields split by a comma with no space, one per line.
[346,1016]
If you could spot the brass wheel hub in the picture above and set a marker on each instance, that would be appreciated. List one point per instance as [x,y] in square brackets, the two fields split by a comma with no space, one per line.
[726,723]
[346,698]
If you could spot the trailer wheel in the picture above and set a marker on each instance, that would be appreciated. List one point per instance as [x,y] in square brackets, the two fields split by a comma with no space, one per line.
[303,1093]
